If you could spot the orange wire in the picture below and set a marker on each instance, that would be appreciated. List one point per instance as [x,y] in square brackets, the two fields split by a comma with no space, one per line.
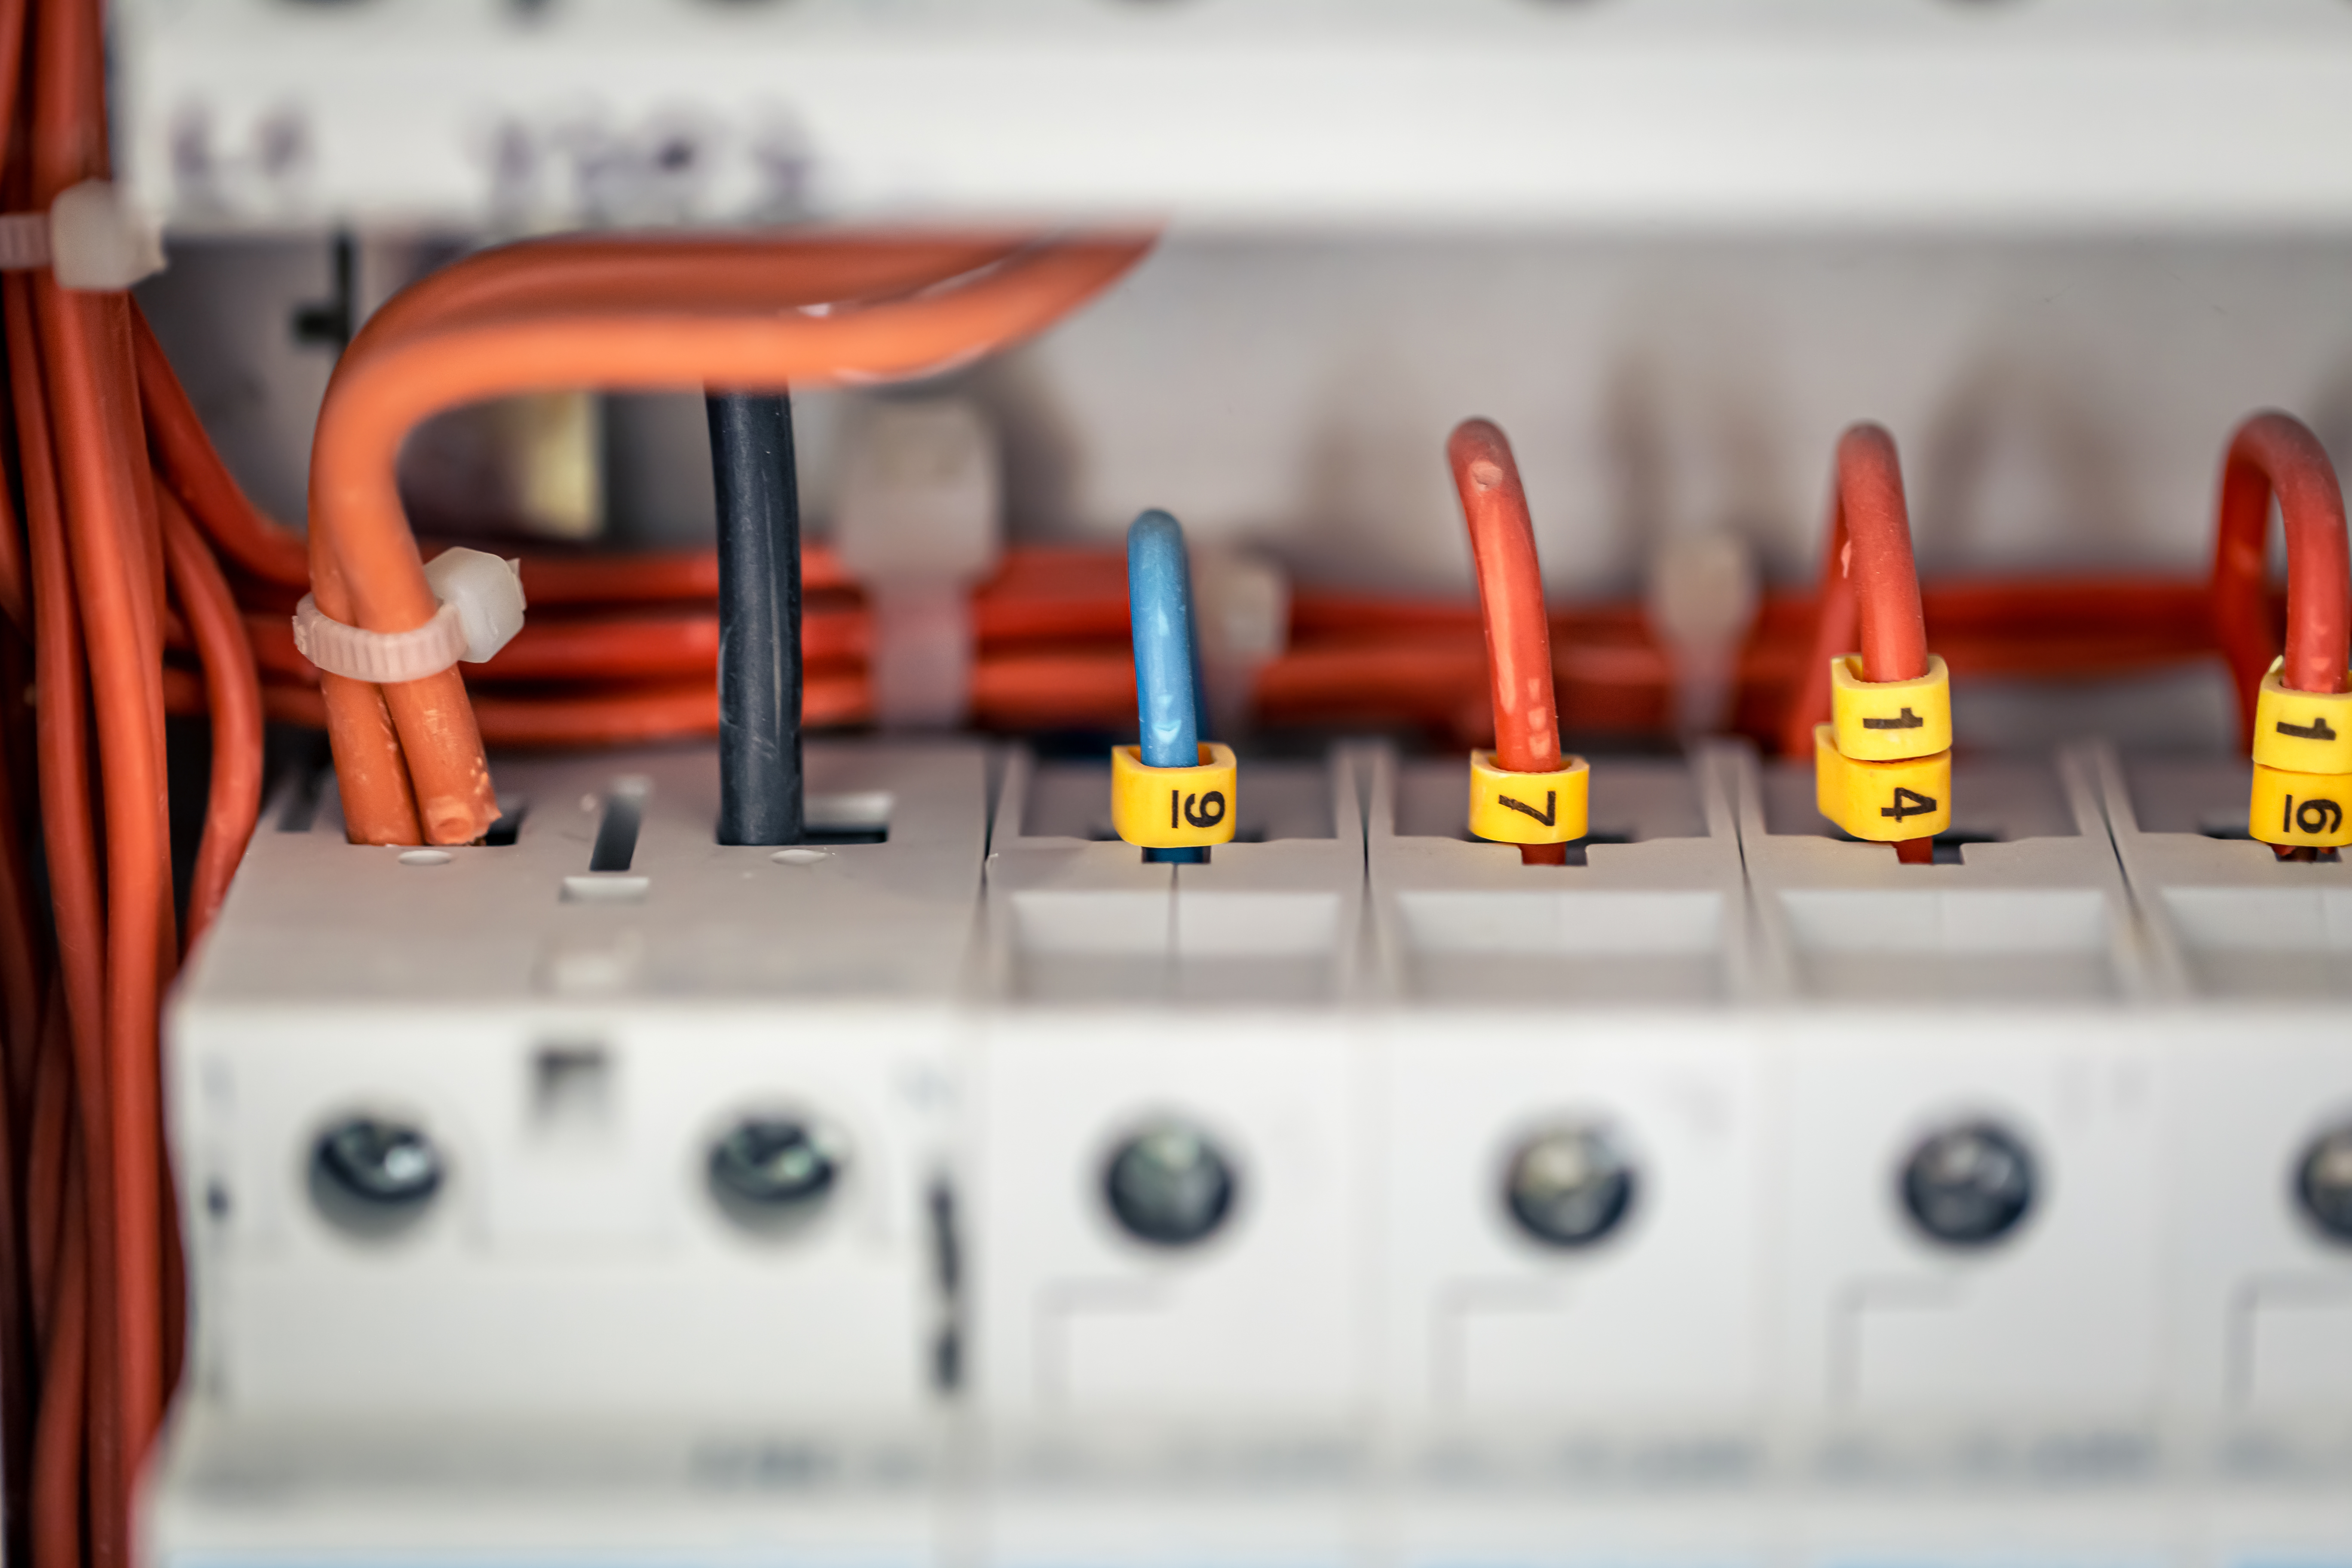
[1869,593]
[365,565]
[2274,454]
[576,273]
[58,1432]
[234,688]
[88,362]
[111,572]
[1510,597]
[193,470]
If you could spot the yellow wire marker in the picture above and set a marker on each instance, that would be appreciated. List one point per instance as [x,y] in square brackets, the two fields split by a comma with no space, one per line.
[2301,810]
[1890,721]
[1882,802]
[1173,808]
[1883,765]
[2302,732]
[2302,795]
[1528,808]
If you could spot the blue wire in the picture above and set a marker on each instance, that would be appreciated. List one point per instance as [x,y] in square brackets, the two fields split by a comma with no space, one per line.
[1167,656]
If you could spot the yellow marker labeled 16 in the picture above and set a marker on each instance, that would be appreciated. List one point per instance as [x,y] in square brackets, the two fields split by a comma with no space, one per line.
[2301,810]
[1173,808]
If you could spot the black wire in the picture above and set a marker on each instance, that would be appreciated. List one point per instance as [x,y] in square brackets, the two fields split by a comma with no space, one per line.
[759,618]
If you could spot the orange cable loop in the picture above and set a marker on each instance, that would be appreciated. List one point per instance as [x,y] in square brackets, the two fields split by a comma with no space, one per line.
[1511,599]
[365,567]
[1869,595]
[2275,454]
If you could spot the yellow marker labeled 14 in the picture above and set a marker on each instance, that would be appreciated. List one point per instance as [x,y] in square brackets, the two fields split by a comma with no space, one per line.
[1883,802]
[1173,808]
[1528,808]
[2302,732]
[2301,809]
[1889,720]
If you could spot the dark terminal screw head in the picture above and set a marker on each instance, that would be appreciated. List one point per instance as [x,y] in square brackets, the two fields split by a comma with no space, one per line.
[1969,1185]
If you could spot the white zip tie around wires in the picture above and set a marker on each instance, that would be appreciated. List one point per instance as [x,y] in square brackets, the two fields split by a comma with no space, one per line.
[481,610]
[92,239]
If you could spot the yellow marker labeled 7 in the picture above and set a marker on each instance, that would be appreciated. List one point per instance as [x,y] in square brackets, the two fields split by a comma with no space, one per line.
[1528,808]
[1173,808]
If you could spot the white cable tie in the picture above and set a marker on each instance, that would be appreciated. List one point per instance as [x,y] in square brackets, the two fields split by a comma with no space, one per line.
[481,610]
[92,238]
[384,657]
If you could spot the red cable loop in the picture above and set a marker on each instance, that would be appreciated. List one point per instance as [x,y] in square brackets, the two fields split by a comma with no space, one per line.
[2276,454]
[1869,595]
[1511,601]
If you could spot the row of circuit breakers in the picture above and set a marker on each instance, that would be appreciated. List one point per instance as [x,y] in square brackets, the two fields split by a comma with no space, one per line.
[1729,1133]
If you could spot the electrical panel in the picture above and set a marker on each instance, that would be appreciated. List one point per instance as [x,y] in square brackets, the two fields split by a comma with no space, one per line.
[850,871]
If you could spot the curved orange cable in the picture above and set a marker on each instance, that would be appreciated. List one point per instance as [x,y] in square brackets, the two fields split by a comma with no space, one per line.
[1869,595]
[598,273]
[2275,454]
[1511,599]
[233,687]
[365,565]
[187,463]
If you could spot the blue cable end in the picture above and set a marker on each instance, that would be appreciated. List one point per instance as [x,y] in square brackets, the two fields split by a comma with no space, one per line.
[1167,659]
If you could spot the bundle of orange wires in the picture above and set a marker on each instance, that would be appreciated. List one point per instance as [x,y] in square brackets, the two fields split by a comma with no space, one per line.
[101,572]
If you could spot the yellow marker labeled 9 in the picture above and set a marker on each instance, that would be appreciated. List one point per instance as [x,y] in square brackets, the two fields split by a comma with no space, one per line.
[1528,808]
[1889,720]
[2301,731]
[1173,808]
[1882,802]
[2301,809]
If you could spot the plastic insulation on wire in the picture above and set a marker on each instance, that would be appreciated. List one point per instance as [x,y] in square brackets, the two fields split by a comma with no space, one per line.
[365,567]
[1869,598]
[1511,600]
[1170,715]
[2293,708]
[2274,454]
[759,617]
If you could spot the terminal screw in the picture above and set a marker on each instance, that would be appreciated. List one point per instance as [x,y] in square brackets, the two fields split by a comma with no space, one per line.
[1969,1185]
[774,1174]
[373,1177]
[1570,1186]
[1168,1184]
[2324,1185]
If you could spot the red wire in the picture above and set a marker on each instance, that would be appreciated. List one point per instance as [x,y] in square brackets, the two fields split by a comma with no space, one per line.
[1510,597]
[1869,593]
[234,689]
[65,1375]
[2274,454]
